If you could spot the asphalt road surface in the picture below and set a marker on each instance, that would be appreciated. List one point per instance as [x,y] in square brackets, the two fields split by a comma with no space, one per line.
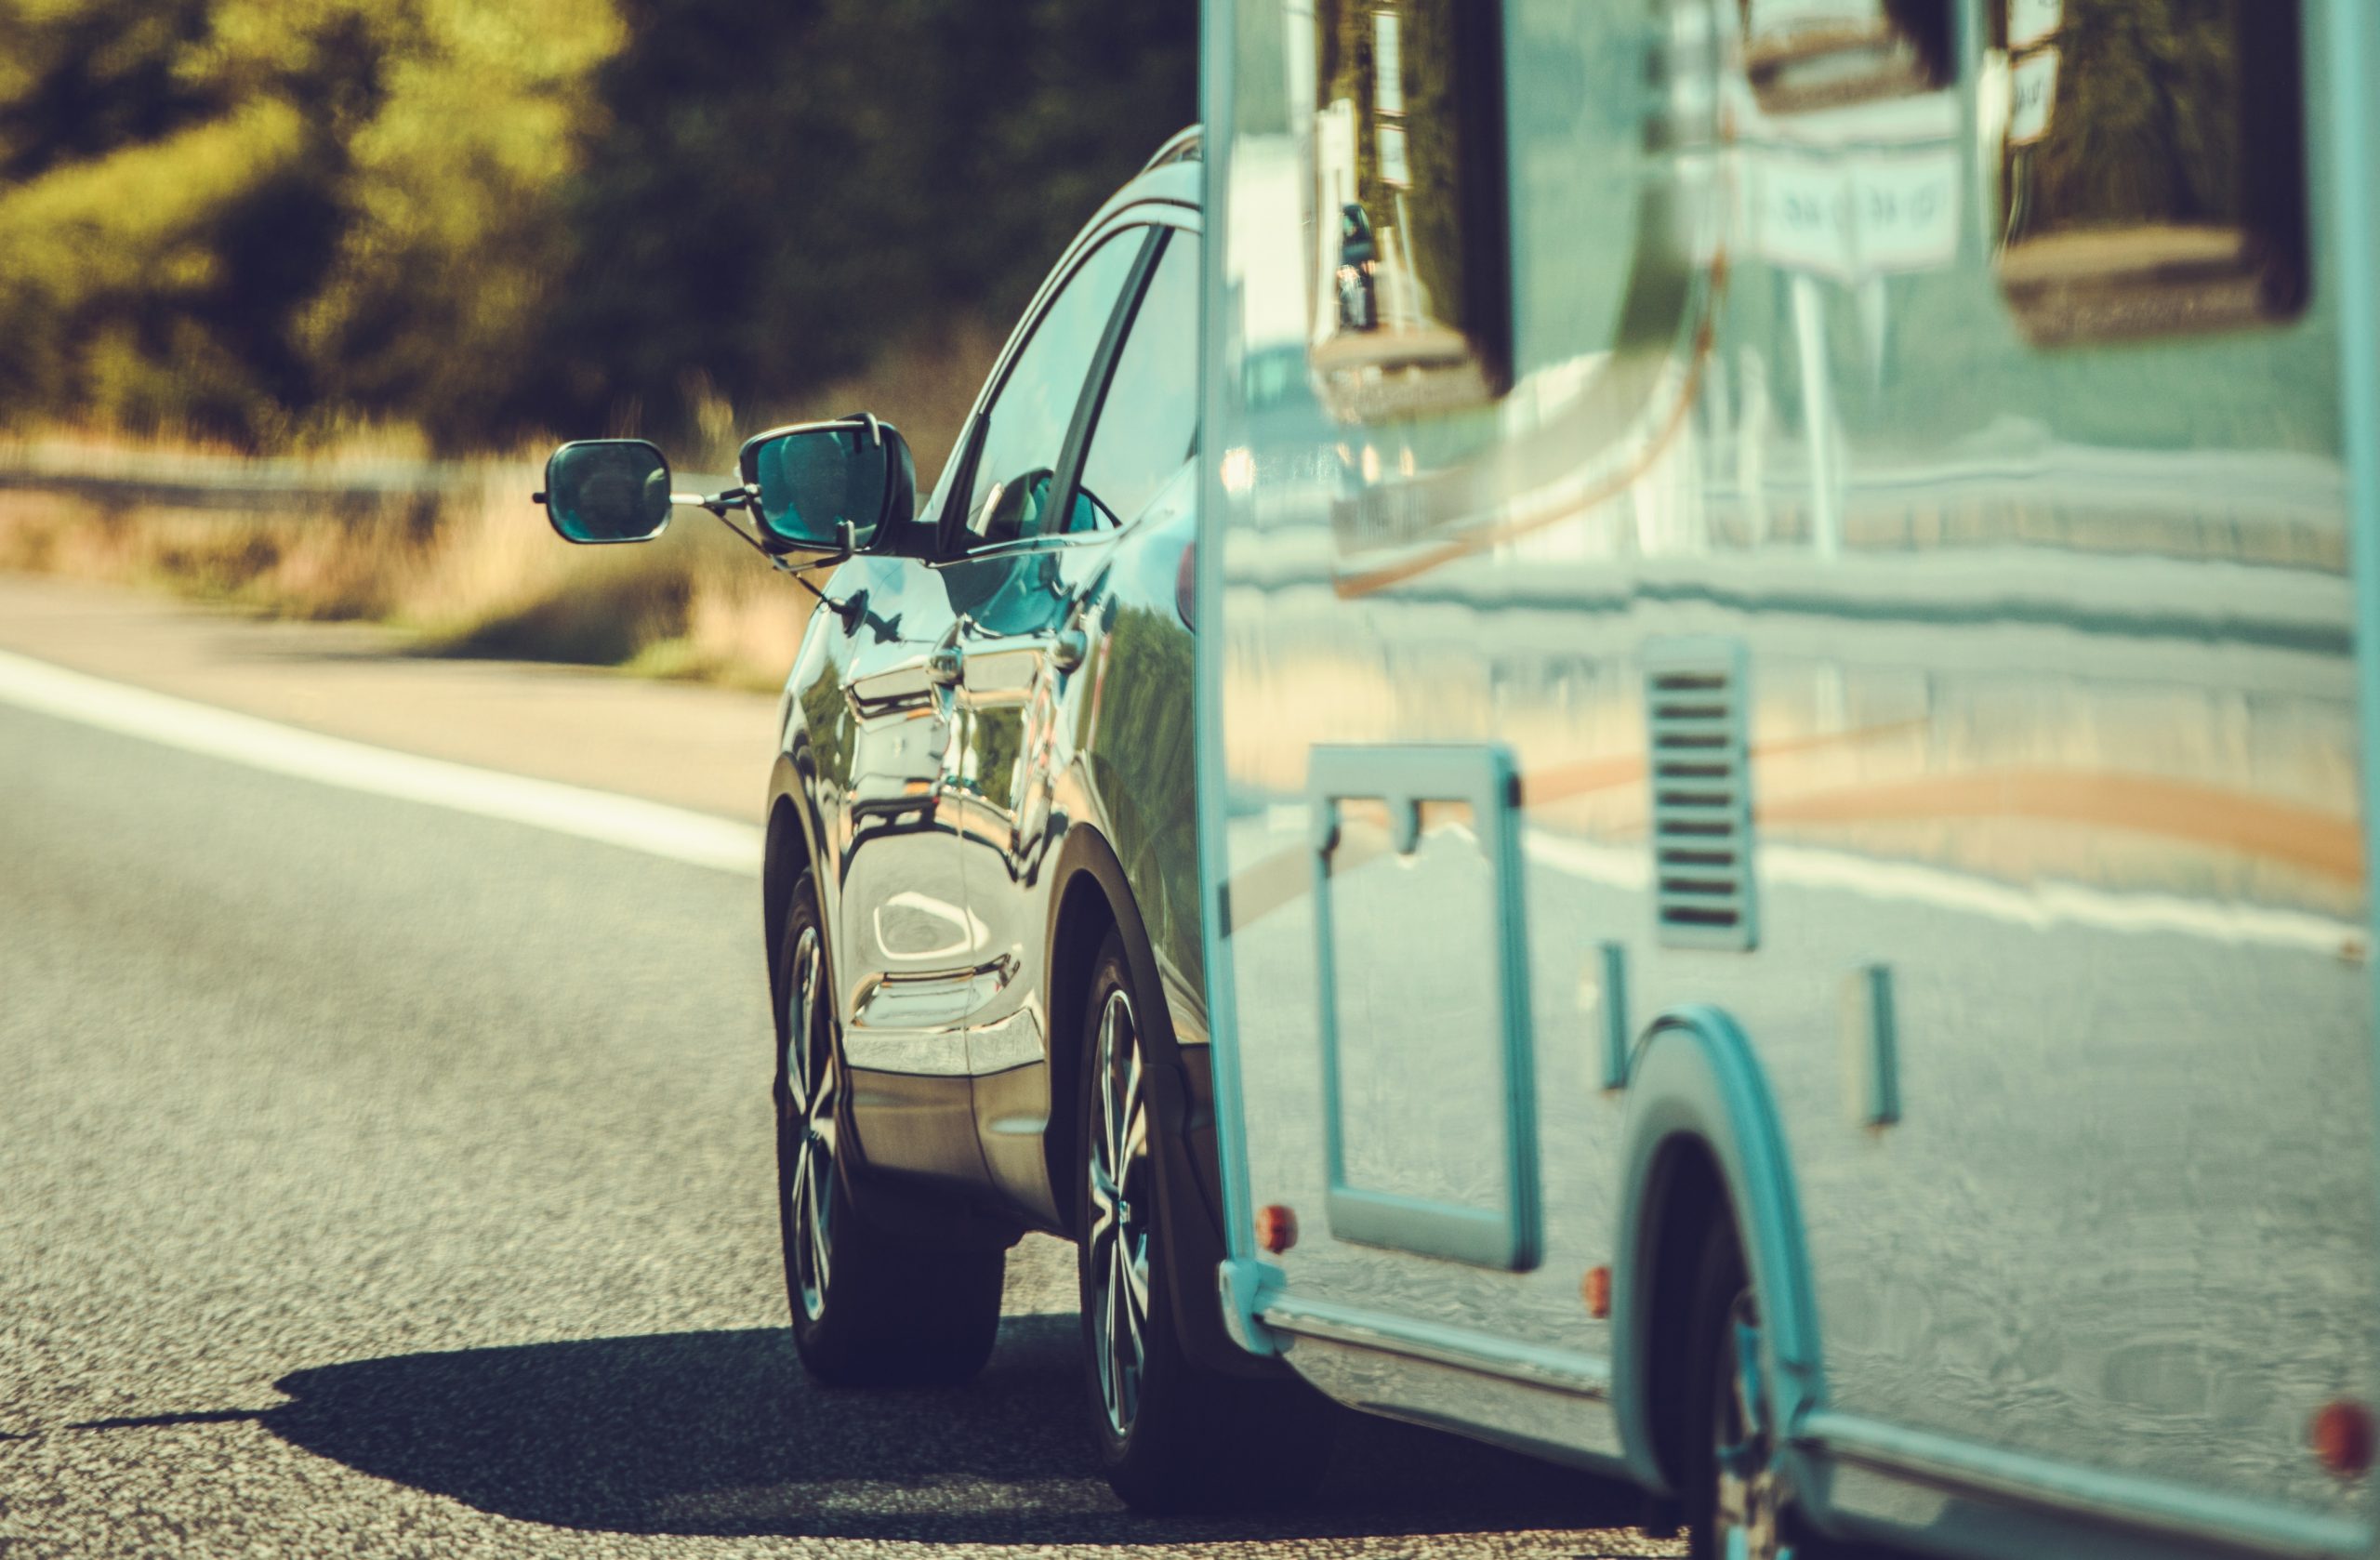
[378,1179]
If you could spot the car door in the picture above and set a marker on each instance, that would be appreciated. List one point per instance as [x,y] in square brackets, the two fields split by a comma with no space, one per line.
[1028,545]
[1139,433]
[881,723]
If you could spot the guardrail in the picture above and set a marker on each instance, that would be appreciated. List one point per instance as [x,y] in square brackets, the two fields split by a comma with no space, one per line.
[143,479]
[133,478]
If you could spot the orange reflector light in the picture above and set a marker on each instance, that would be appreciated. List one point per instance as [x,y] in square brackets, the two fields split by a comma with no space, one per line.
[1596,1289]
[1277,1227]
[2342,1437]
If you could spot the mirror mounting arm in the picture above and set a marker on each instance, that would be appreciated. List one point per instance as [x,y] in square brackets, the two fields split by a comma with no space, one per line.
[719,503]
[842,609]
[848,536]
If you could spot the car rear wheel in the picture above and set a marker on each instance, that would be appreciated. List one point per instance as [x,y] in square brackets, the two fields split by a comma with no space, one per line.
[1171,1436]
[868,1310]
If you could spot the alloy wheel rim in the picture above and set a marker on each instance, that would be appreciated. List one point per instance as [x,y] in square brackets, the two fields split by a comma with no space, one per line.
[806,1129]
[1748,1496]
[1123,1207]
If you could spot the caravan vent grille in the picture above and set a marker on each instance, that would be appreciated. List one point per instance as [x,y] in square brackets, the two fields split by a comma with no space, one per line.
[1701,811]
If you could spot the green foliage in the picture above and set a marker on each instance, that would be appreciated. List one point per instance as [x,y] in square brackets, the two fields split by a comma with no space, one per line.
[850,173]
[258,220]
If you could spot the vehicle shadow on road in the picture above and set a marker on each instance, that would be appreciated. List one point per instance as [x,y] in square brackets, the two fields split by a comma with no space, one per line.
[722,1434]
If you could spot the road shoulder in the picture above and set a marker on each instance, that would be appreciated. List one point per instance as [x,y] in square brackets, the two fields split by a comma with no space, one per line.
[708,749]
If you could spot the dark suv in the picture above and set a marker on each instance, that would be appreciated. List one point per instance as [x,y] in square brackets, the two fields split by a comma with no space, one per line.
[981,896]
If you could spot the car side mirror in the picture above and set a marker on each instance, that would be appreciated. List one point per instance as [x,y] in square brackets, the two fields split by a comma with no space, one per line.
[607,490]
[829,488]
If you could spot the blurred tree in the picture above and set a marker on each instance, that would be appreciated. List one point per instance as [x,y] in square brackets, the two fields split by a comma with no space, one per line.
[81,83]
[776,196]
[256,219]
[2147,122]
[445,267]
[240,218]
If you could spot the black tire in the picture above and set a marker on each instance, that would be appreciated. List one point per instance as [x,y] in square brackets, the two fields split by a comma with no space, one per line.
[1731,1438]
[1171,1436]
[868,1310]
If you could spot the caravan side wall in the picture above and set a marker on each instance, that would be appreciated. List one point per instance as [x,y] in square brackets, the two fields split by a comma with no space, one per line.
[1999,532]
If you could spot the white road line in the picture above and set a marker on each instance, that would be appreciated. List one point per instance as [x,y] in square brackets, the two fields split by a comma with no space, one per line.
[672,833]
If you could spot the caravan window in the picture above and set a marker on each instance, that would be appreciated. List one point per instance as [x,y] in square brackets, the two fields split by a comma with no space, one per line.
[1808,55]
[1409,287]
[2153,165]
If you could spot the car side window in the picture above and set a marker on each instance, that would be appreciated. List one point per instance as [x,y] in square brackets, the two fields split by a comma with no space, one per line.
[1147,427]
[1026,426]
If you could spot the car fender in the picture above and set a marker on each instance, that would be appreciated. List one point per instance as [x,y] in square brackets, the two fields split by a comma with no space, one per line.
[791,843]
[1193,1226]
[1085,853]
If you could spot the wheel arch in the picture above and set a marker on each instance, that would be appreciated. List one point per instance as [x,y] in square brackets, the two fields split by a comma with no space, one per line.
[789,849]
[1702,1137]
[1090,897]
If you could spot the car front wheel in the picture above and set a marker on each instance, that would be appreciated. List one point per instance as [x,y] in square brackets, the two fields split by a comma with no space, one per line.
[868,1310]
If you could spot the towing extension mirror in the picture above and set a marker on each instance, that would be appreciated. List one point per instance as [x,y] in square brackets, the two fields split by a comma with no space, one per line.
[822,491]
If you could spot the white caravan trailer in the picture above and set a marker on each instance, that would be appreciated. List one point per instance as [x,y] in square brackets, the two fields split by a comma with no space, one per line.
[1785,630]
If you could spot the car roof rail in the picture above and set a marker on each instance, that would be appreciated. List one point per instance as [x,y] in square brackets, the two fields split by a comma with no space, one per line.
[1183,146]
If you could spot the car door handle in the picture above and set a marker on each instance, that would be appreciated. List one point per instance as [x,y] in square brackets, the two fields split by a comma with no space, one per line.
[947,665]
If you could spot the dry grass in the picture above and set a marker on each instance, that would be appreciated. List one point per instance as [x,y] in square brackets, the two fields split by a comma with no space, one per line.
[466,565]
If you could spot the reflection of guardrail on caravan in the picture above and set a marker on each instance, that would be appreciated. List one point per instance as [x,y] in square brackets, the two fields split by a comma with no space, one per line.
[2266,507]
[2270,508]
